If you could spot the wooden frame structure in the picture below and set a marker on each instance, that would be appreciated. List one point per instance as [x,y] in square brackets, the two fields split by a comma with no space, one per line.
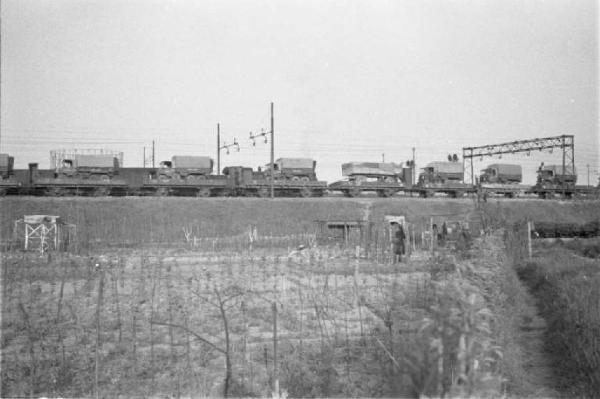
[43,232]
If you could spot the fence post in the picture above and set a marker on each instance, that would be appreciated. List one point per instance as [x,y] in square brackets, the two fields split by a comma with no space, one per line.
[529,239]
[431,234]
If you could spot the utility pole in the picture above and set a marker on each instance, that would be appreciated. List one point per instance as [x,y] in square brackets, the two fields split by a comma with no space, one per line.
[264,134]
[153,153]
[413,167]
[272,152]
[588,175]
[144,158]
[275,374]
[225,146]
[383,158]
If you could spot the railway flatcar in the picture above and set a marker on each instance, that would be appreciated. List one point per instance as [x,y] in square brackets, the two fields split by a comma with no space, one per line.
[81,174]
[293,169]
[502,179]
[443,177]
[557,181]
[385,179]
[101,174]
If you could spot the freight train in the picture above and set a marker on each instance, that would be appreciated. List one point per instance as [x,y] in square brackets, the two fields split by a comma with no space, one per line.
[102,175]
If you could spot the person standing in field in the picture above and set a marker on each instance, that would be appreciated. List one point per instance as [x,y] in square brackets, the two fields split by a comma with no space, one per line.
[398,240]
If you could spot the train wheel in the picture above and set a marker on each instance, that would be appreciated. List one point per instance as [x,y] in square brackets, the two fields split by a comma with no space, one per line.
[385,193]
[162,191]
[101,191]
[203,192]
[353,192]
[295,178]
[305,179]
[389,179]
[306,192]
[54,192]
[358,180]
[263,192]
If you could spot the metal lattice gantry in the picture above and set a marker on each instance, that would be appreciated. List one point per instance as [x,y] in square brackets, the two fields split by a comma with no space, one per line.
[565,142]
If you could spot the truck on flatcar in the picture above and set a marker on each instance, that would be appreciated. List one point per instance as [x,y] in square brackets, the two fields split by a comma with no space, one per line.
[383,178]
[502,179]
[184,175]
[556,180]
[554,176]
[443,177]
[80,174]
[501,173]
[243,181]
[189,168]
[8,183]
[293,169]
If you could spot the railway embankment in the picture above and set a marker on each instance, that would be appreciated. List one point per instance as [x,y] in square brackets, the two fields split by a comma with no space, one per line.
[162,219]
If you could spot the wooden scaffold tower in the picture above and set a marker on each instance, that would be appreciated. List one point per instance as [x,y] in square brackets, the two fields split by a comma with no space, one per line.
[44,232]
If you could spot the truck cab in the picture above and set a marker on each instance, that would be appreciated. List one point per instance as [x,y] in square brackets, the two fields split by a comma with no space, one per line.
[294,169]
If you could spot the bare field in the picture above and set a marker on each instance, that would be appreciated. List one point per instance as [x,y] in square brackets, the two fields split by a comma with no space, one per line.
[154,308]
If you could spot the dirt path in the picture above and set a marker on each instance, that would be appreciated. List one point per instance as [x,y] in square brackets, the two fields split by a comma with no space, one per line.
[540,381]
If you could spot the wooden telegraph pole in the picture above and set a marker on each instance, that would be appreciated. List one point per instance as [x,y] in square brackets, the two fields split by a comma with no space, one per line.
[218,149]
[272,153]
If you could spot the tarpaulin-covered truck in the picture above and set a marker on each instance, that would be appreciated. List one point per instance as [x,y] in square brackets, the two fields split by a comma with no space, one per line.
[86,166]
[442,172]
[502,174]
[554,175]
[442,177]
[7,180]
[293,169]
[6,166]
[185,167]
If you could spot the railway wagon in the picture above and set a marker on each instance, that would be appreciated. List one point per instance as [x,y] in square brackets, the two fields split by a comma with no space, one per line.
[243,181]
[385,179]
[82,174]
[192,176]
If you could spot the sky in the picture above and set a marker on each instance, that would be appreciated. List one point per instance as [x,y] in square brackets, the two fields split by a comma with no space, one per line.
[350,80]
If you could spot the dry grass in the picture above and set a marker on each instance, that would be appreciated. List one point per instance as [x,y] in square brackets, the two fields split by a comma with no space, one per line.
[346,326]
[567,288]
[341,321]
